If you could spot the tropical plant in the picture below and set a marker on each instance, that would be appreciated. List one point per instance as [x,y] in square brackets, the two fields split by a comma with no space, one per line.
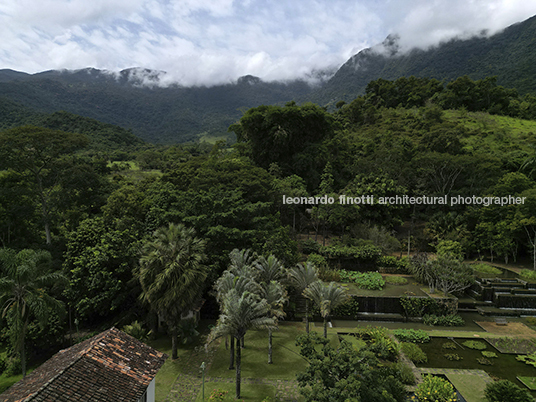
[269,269]
[301,277]
[276,296]
[326,297]
[435,389]
[172,274]
[240,313]
[25,282]
[506,391]
[137,330]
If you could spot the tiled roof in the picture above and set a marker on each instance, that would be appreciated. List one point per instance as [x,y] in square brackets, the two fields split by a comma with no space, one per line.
[110,367]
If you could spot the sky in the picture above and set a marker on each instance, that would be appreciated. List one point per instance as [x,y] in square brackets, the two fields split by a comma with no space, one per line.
[207,42]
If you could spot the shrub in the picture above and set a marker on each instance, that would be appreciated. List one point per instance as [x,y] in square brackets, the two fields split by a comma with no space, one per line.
[477,345]
[350,308]
[411,335]
[486,269]
[506,391]
[405,374]
[419,306]
[364,280]
[310,246]
[413,352]
[317,260]
[451,320]
[13,366]
[401,265]
[528,274]
[385,349]
[435,389]
[395,280]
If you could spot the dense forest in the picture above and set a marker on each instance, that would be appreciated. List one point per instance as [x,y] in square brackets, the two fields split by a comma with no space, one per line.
[82,201]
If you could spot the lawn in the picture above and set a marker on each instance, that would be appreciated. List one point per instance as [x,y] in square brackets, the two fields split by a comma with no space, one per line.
[248,392]
[287,361]
[470,386]
[166,376]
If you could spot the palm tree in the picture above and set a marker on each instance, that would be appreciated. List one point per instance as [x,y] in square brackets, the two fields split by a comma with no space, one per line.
[301,277]
[24,279]
[241,262]
[240,313]
[269,269]
[172,274]
[240,284]
[326,297]
[276,296]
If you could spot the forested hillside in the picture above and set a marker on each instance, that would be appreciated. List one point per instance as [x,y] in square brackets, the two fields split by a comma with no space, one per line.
[137,100]
[508,55]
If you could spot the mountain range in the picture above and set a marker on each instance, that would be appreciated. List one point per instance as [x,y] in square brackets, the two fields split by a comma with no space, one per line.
[157,111]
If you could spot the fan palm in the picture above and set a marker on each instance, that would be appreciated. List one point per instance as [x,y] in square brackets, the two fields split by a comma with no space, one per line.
[276,296]
[241,262]
[240,313]
[326,297]
[172,274]
[301,277]
[24,280]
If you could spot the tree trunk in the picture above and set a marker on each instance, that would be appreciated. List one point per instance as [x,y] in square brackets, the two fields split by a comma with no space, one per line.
[238,373]
[23,359]
[174,341]
[269,346]
[307,316]
[326,327]
[231,355]
[242,345]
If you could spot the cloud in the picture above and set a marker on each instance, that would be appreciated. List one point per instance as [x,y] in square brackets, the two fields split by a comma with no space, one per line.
[217,41]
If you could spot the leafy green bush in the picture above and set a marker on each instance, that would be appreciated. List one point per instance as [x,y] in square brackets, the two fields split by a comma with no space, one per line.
[405,374]
[419,306]
[310,246]
[13,366]
[364,253]
[489,354]
[395,280]
[477,345]
[350,308]
[486,269]
[413,352]
[364,280]
[528,274]
[389,261]
[435,389]
[411,335]
[385,349]
[317,260]
[451,320]
[506,391]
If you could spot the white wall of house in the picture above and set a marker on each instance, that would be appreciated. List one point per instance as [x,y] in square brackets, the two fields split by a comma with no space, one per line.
[151,391]
[149,395]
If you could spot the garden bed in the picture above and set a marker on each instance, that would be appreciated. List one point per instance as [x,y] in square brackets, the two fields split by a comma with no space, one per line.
[513,345]
[504,366]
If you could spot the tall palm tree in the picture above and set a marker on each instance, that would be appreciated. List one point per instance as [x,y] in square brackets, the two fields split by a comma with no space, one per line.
[326,297]
[240,313]
[301,277]
[241,284]
[276,296]
[24,280]
[269,269]
[172,274]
